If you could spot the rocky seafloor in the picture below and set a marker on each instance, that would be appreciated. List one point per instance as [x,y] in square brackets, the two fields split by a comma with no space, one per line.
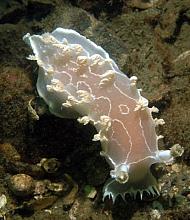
[49,167]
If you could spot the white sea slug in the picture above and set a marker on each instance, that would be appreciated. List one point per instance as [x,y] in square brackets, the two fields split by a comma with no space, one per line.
[77,79]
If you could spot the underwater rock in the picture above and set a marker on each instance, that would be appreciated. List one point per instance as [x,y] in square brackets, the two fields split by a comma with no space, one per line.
[21,185]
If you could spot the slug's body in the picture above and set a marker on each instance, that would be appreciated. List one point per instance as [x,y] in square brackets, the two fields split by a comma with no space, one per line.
[77,79]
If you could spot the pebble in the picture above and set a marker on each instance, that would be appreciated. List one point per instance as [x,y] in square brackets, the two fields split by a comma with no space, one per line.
[9,152]
[176,168]
[21,185]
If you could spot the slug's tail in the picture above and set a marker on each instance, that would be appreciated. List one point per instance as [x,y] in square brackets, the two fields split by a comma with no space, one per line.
[113,188]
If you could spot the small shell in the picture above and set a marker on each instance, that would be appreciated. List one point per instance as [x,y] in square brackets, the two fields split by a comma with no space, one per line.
[58,188]
[50,165]
[177,150]
[3,201]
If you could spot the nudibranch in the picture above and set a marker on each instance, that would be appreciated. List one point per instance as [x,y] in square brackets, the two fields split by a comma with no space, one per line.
[78,79]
